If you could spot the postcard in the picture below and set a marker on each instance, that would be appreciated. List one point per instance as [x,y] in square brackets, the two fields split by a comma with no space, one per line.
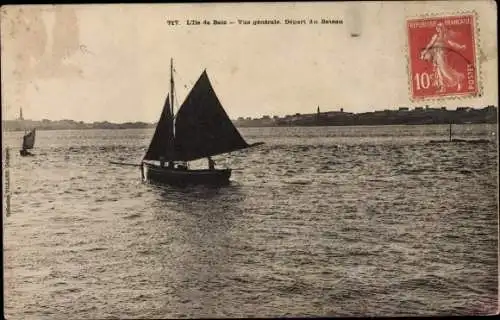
[236,160]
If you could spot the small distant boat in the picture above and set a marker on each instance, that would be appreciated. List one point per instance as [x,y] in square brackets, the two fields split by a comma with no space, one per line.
[28,143]
[200,129]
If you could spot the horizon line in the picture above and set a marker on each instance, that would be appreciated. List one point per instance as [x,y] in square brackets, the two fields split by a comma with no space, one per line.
[340,110]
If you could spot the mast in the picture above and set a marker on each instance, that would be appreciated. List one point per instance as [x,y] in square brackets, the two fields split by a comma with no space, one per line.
[172,137]
[172,87]
[450,131]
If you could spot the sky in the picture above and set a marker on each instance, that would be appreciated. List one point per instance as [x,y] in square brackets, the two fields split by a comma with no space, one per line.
[112,62]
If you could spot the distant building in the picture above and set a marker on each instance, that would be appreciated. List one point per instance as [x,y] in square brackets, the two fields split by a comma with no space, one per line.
[443,108]
[266,117]
[331,114]
[419,108]
[341,109]
[403,109]
[490,109]
[21,114]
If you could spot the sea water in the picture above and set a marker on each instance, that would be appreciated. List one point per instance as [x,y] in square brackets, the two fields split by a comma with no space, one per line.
[323,221]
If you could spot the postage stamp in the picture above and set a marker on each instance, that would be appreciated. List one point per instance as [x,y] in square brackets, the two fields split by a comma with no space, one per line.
[442,57]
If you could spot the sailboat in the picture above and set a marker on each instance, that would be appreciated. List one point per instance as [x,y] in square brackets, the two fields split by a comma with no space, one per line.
[200,129]
[28,143]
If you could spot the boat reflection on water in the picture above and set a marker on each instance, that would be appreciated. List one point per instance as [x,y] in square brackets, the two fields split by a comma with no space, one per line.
[198,244]
[194,197]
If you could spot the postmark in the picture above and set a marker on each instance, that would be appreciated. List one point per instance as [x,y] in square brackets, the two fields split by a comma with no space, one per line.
[442,57]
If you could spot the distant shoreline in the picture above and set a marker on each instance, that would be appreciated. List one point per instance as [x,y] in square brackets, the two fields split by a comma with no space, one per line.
[403,116]
[256,126]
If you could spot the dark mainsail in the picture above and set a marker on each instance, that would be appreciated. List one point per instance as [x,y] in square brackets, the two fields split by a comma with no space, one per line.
[162,142]
[29,140]
[202,127]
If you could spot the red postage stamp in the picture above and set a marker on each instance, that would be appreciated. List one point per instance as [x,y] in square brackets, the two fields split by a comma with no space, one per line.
[442,57]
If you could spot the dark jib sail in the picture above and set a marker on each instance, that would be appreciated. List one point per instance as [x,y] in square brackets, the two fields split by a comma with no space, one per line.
[202,127]
[162,142]
[29,140]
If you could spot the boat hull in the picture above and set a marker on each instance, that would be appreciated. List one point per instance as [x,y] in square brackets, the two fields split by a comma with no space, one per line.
[217,177]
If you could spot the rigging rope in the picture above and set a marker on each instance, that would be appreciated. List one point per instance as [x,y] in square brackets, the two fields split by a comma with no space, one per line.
[182,80]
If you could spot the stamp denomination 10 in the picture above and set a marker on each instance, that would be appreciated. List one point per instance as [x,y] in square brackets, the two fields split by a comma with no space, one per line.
[442,57]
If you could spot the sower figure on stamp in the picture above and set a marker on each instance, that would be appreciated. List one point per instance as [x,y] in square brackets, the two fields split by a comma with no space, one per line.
[436,51]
